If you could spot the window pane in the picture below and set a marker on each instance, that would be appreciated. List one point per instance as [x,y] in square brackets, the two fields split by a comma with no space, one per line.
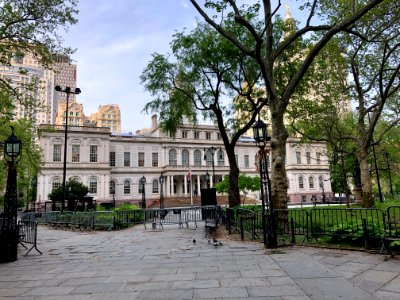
[127,159]
[141,159]
[155,187]
[57,153]
[197,158]
[298,157]
[220,158]
[301,183]
[112,159]
[185,157]
[112,187]
[172,157]
[93,153]
[246,161]
[208,158]
[76,153]
[311,182]
[154,162]
[127,187]
[93,185]
[56,184]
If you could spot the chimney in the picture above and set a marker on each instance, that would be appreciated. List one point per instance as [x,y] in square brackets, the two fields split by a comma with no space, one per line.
[154,123]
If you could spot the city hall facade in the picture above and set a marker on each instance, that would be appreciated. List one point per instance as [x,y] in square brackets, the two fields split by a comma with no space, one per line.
[112,164]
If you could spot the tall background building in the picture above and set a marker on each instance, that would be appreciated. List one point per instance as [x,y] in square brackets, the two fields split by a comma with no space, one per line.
[36,87]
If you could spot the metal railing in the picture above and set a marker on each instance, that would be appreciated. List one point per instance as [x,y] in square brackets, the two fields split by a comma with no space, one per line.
[364,225]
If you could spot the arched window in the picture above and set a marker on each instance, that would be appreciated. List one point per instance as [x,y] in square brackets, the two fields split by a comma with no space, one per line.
[301,183]
[208,157]
[197,158]
[172,157]
[93,185]
[55,184]
[112,187]
[185,157]
[220,158]
[155,186]
[311,182]
[127,187]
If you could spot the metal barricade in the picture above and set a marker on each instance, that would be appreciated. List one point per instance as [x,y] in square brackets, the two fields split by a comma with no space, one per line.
[28,235]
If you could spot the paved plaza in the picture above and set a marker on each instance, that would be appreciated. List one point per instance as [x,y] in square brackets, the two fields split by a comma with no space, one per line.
[165,264]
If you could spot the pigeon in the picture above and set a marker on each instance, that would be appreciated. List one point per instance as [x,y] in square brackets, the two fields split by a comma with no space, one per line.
[216,243]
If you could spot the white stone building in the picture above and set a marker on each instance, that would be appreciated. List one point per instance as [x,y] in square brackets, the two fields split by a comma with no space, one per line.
[104,161]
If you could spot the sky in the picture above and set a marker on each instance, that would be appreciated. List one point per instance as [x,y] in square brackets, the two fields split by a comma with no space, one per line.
[114,41]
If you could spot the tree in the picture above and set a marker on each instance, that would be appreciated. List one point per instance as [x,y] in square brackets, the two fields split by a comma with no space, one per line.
[369,55]
[30,27]
[208,69]
[74,190]
[268,48]
[30,160]
[246,184]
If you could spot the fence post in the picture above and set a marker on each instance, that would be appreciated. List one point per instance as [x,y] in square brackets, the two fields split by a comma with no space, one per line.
[365,230]
[292,230]
[241,229]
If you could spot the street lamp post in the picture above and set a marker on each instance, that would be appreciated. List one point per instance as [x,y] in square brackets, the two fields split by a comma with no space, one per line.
[9,226]
[269,228]
[212,149]
[34,191]
[143,182]
[112,190]
[208,179]
[161,179]
[68,91]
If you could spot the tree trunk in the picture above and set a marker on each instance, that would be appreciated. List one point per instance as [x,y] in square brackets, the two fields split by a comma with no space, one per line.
[367,197]
[278,171]
[234,193]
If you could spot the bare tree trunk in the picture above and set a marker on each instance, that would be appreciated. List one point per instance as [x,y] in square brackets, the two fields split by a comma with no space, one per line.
[367,196]
[278,171]
[234,194]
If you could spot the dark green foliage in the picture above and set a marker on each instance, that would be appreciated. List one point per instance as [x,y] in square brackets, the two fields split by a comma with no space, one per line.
[74,190]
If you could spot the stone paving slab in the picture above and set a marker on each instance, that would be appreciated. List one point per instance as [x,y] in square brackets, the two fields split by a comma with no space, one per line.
[166,264]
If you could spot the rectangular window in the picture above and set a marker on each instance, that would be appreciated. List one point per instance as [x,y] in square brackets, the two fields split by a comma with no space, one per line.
[57,153]
[112,159]
[127,159]
[208,135]
[298,157]
[237,158]
[154,159]
[219,136]
[76,153]
[93,153]
[308,156]
[196,135]
[303,198]
[141,159]
[318,158]
[246,161]
[184,134]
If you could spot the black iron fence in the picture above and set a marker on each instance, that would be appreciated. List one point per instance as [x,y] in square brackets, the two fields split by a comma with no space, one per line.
[107,220]
[358,226]
[365,226]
